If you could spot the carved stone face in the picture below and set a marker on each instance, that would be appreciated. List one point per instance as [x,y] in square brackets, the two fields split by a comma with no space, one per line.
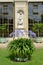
[20,15]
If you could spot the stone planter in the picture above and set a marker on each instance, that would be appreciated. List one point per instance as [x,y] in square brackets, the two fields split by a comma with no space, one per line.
[38,39]
[3,40]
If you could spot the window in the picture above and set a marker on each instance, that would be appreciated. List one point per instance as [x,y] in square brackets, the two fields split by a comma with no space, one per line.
[5,5]
[42,3]
[0,21]
[5,13]
[35,9]
[35,13]
[35,5]
[35,16]
[0,10]
[42,17]
[10,21]
[5,8]
[4,19]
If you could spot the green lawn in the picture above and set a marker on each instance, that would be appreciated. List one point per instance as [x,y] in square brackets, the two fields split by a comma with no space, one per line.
[37,58]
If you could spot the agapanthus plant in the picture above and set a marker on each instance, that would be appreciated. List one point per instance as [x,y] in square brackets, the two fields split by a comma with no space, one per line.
[18,33]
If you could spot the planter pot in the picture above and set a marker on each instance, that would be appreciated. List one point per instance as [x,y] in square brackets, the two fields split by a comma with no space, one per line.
[38,39]
[21,59]
[3,40]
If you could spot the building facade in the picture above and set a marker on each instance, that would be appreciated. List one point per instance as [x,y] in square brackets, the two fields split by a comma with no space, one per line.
[16,15]
[35,13]
[6,17]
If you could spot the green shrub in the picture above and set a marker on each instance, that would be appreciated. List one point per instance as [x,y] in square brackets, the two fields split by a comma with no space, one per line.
[37,27]
[21,48]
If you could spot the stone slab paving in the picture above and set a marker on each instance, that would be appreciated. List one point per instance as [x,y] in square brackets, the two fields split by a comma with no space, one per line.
[39,45]
[4,45]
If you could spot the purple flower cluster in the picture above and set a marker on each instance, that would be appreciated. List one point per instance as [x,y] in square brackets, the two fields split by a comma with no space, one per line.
[18,33]
[32,34]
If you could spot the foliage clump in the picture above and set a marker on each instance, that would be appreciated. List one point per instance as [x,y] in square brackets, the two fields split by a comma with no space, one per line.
[21,48]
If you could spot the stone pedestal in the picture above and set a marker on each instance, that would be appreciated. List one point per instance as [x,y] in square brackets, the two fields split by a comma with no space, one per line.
[21,16]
